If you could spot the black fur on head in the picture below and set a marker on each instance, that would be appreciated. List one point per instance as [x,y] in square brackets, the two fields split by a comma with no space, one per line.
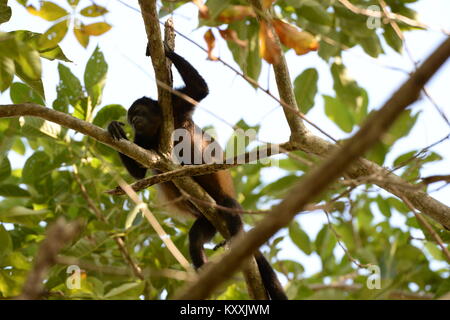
[145,116]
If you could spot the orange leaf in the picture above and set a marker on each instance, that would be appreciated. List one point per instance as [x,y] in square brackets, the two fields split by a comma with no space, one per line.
[268,48]
[235,13]
[211,43]
[301,41]
[202,9]
[96,29]
[231,35]
[267,3]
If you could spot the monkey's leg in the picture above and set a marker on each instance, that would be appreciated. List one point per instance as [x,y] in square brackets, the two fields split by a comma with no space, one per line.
[201,232]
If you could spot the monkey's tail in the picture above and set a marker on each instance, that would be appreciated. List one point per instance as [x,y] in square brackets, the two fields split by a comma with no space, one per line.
[269,278]
[268,275]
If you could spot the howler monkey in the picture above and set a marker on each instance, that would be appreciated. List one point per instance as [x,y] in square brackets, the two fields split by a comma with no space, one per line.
[145,117]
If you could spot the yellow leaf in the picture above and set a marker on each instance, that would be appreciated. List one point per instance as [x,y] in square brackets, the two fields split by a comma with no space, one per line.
[231,35]
[96,29]
[267,3]
[301,41]
[211,43]
[202,9]
[235,13]
[48,11]
[93,11]
[53,35]
[268,48]
[81,36]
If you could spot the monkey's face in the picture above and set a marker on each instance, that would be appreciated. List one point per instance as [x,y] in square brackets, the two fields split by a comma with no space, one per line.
[145,117]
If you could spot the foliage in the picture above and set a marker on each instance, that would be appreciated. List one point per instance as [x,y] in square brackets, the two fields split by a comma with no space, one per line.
[59,164]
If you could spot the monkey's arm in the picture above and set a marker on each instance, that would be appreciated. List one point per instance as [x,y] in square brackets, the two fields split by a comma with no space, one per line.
[133,167]
[195,85]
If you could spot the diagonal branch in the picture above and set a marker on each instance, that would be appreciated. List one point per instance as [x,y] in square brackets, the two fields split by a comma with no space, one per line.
[319,178]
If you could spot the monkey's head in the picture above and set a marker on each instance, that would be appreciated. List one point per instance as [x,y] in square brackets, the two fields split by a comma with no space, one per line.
[145,116]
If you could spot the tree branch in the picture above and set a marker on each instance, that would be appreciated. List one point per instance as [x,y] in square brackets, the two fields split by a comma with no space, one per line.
[162,69]
[58,236]
[147,158]
[314,182]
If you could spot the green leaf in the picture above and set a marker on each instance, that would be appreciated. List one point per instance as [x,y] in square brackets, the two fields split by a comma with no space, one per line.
[7,70]
[280,186]
[5,11]
[109,113]
[5,243]
[54,35]
[401,127]
[313,11]
[32,126]
[69,85]
[384,206]
[21,93]
[93,11]
[361,108]
[12,190]
[36,168]
[5,168]
[435,251]
[248,59]
[9,45]
[371,45]
[305,89]
[377,153]
[95,76]
[392,39]
[18,146]
[325,242]
[130,290]
[54,53]
[48,11]
[338,113]
[36,84]
[400,206]
[83,109]
[300,238]
[346,88]
[29,62]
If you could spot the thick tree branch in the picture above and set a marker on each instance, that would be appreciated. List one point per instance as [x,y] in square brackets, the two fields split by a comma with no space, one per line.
[162,69]
[145,157]
[319,178]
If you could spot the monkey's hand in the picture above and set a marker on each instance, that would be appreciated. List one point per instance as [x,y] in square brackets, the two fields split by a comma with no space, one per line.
[168,51]
[116,131]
